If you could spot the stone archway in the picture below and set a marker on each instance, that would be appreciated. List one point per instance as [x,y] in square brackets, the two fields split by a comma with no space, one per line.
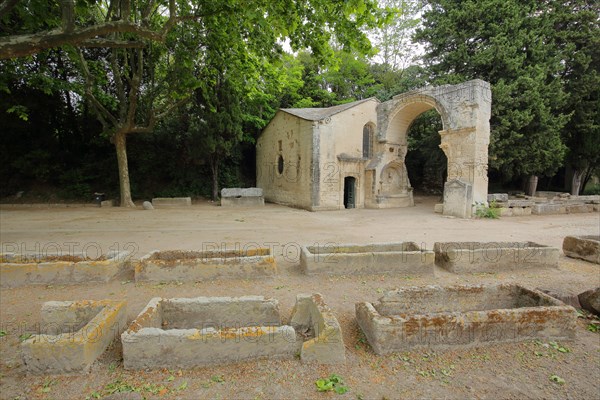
[465,110]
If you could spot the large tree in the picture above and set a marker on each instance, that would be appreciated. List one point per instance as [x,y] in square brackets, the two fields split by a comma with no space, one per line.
[508,43]
[577,36]
[29,27]
[396,49]
[147,62]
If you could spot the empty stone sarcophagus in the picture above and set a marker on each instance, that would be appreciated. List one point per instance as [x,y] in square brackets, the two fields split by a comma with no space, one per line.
[73,335]
[405,258]
[477,257]
[60,269]
[184,266]
[444,317]
[203,331]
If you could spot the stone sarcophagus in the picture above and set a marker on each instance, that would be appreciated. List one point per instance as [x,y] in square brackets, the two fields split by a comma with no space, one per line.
[242,197]
[406,258]
[492,257]
[313,318]
[584,247]
[60,269]
[73,335]
[438,317]
[181,265]
[203,331]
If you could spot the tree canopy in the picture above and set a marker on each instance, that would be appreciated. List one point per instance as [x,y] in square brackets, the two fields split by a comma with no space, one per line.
[505,42]
[204,77]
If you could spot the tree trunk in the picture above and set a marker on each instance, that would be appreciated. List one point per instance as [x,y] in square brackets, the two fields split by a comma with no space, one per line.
[120,140]
[531,185]
[215,178]
[576,182]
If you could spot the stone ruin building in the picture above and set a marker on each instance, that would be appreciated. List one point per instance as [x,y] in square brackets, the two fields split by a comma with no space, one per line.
[353,155]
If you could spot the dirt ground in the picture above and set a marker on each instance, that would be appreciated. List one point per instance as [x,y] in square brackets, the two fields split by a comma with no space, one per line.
[512,371]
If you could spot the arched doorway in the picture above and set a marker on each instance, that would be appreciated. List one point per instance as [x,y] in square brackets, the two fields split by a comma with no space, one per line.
[349,192]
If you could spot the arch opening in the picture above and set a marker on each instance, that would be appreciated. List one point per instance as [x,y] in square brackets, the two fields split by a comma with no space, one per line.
[426,163]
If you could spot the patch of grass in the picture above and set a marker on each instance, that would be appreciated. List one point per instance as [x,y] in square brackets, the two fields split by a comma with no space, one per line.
[557,379]
[593,327]
[492,211]
[120,386]
[333,383]
[47,385]
[23,337]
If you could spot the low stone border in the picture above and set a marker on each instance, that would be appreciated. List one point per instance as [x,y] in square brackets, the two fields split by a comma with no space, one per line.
[75,334]
[182,265]
[584,247]
[60,269]
[434,317]
[352,259]
[203,331]
[311,315]
[545,203]
[491,257]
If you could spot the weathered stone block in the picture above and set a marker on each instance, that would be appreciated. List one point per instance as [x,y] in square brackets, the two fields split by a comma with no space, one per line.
[588,199]
[180,265]
[548,209]
[550,195]
[311,315]
[438,208]
[74,334]
[457,195]
[64,269]
[147,205]
[590,300]
[107,203]
[171,202]
[566,296]
[520,203]
[352,259]
[506,212]
[579,208]
[476,257]
[497,197]
[521,211]
[238,197]
[241,192]
[186,333]
[439,318]
[583,247]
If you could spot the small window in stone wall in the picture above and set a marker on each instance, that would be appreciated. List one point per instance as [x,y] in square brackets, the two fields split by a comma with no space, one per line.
[368,140]
[280,164]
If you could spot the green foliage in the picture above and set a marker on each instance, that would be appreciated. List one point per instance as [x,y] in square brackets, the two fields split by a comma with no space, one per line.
[333,383]
[592,189]
[425,161]
[492,211]
[466,41]
[75,184]
[578,39]
[396,50]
